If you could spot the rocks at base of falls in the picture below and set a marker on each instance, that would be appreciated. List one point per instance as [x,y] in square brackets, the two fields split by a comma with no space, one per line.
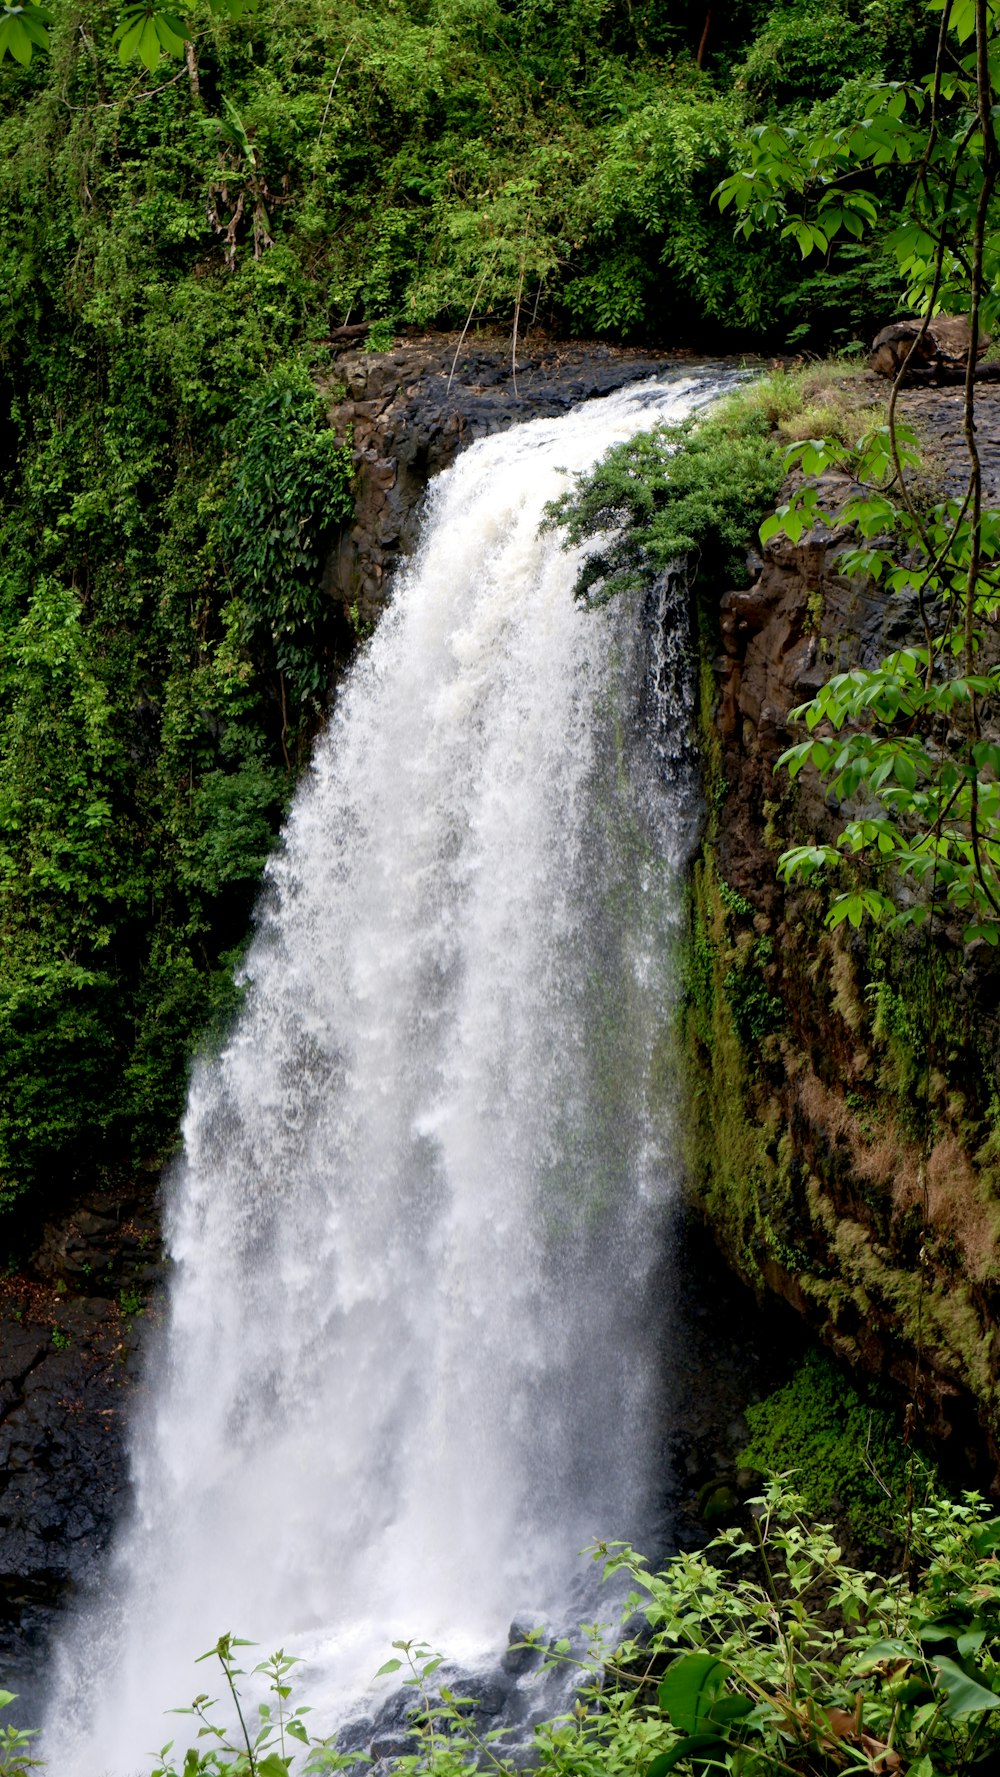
[410,411]
[523,1650]
[727,1350]
[529,1685]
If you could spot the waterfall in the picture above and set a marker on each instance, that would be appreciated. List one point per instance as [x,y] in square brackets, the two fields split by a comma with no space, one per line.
[411,1364]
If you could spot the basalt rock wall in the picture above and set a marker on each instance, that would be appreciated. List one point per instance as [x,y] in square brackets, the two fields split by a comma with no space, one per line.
[843,1088]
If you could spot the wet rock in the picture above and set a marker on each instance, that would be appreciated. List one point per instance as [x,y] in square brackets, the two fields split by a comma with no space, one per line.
[356,1736]
[390,1746]
[396,1712]
[522,1654]
[488,1693]
[412,409]
[69,1360]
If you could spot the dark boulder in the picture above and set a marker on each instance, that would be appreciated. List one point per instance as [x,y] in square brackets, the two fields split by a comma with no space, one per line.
[936,353]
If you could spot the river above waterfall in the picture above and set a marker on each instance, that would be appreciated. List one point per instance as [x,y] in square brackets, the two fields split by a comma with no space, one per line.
[412,1365]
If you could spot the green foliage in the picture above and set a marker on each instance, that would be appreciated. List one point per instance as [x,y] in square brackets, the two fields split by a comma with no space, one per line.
[815,186]
[903,745]
[806,52]
[767,1651]
[842,1447]
[15,1745]
[646,205]
[691,490]
[673,492]
[290,489]
[380,337]
[176,245]
[755,1011]
[269,1747]
[734,902]
[22,31]
[481,116]
[162,650]
[427,164]
[782,1654]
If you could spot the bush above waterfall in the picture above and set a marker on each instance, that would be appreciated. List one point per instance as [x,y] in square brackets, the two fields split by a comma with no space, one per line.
[699,490]
[678,491]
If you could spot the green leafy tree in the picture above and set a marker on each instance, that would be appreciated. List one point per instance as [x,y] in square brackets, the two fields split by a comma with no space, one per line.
[903,745]
[145,33]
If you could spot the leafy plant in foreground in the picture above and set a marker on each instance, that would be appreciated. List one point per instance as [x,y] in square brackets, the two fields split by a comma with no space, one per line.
[15,1745]
[768,1653]
[765,1653]
[268,1745]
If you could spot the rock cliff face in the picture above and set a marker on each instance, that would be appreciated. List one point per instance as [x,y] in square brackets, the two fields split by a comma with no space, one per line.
[817,1062]
[69,1336]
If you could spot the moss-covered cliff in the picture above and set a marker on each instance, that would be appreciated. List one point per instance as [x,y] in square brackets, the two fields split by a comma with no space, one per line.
[842,1111]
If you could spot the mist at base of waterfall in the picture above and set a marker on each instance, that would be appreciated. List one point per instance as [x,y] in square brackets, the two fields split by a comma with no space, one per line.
[412,1360]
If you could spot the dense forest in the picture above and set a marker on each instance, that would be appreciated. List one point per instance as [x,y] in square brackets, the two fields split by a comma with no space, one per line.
[180,246]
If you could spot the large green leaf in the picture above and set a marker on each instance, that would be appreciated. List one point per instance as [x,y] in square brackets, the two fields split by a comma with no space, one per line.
[965,1696]
[986,1537]
[691,1687]
[22,30]
[885,1650]
[272,1766]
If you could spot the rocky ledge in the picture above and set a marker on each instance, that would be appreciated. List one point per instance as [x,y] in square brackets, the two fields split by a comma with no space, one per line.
[410,411]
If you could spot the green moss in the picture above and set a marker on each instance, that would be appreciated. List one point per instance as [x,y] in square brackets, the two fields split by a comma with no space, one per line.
[738,1166]
[756,1013]
[842,1442]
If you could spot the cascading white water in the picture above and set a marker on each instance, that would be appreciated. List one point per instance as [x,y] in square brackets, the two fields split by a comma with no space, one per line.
[410,1368]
